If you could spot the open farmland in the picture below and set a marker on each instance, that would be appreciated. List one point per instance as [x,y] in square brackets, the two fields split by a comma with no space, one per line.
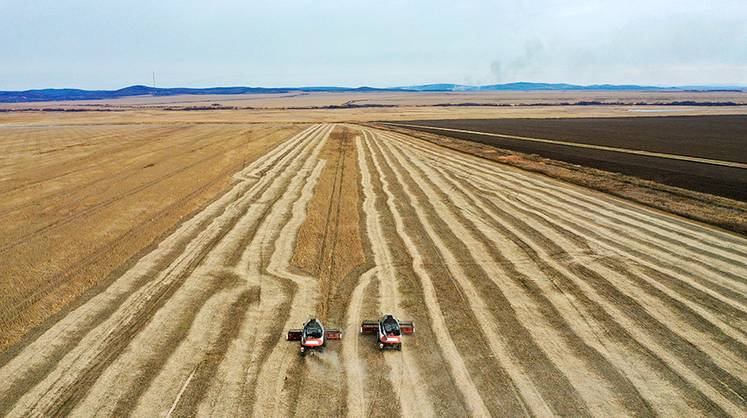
[298,99]
[721,138]
[530,296]
[79,202]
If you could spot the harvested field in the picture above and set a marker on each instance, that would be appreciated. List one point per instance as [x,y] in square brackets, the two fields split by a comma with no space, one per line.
[721,138]
[530,297]
[78,202]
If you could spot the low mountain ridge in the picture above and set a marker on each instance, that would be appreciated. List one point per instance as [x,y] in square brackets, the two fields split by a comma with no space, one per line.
[64,94]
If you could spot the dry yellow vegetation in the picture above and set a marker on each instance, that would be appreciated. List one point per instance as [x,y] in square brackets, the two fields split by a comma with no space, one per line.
[404,99]
[79,202]
[212,236]
[329,244]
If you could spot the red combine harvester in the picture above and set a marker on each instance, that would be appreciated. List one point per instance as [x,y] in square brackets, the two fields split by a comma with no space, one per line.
[313,336]
[389,331]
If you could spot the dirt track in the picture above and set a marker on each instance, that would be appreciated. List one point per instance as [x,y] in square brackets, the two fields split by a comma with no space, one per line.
[530,297]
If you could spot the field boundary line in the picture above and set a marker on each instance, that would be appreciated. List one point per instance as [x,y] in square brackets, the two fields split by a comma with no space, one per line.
[732,164]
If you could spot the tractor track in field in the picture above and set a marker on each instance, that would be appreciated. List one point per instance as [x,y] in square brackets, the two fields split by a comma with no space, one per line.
[121,175]
[198,258]
[101,205]
[531,297]
[725,392]
[327,259]
[104,249]
[260,221]
[89,161]
[337,268]
[90,141]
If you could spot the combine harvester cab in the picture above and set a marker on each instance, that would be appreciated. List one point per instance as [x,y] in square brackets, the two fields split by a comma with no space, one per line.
[388,330]
[313,336]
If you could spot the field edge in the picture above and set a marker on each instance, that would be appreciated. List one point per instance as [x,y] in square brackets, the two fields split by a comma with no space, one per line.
[716,211]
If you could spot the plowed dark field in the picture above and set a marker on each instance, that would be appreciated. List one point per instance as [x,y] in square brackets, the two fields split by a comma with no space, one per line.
[713,137]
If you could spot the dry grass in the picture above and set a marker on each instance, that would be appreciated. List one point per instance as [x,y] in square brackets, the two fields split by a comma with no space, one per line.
[79,202]
[329,242]
[714,210]
[316,99]
[415,107]
[531,296]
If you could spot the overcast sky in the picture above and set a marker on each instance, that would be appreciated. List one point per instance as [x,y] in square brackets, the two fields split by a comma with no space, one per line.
[110,44]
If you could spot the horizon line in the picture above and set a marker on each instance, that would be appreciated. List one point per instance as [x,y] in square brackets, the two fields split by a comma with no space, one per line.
[393,87]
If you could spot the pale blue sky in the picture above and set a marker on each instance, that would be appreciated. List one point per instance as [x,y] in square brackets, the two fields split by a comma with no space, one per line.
[111,44]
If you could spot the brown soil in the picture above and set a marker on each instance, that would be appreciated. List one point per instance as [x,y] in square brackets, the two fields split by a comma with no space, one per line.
[711,137]
[716,137]
[715,210]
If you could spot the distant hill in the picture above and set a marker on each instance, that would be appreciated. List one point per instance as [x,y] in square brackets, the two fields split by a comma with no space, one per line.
[526,86]
[44,95]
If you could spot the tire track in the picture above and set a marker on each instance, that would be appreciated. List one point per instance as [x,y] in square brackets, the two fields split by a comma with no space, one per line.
[101,205]
[273,370]
[123,174]
[355,372]
[555,386]
[327,256]
[472,400]
[487,186]
[76,162]
[103,250]
[408,380]
[133,145]
[198,255]
[706,390]
[199,340]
